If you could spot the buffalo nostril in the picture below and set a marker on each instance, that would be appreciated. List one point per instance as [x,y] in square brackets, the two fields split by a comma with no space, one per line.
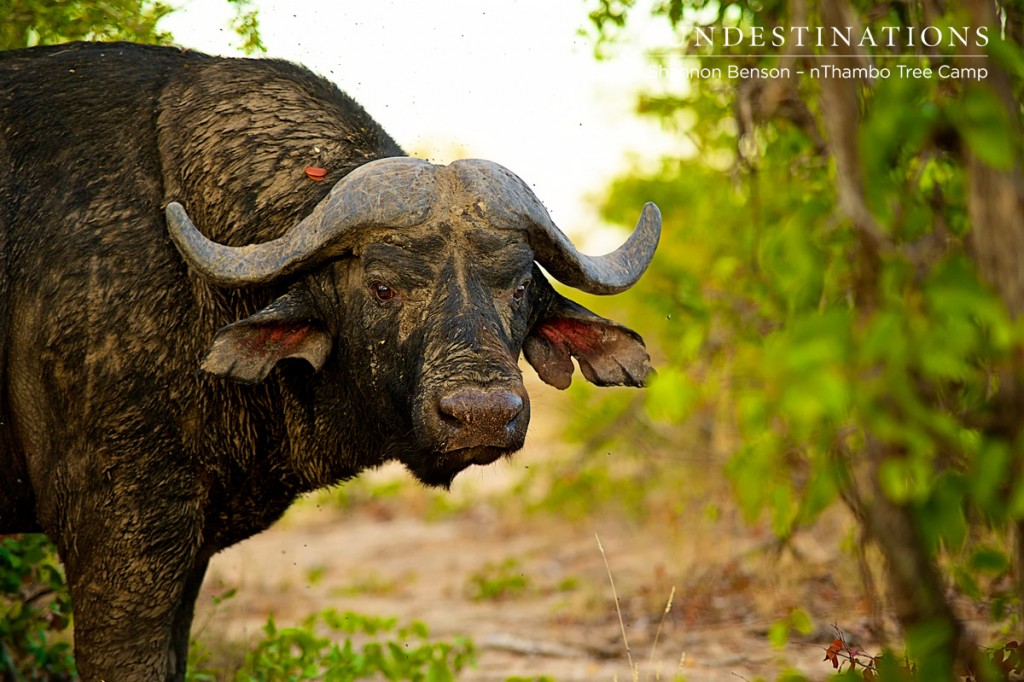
[481,408]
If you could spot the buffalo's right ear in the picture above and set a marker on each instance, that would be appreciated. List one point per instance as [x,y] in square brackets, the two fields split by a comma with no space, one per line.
[247,350]
[608,353]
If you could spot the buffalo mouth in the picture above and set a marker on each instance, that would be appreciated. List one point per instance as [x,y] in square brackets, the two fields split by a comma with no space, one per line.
[439,469]
[480,454]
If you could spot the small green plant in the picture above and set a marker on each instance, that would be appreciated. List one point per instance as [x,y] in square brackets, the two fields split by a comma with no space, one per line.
[499,581]
[384,650]
[315,575]
[798,621]
[199,656]
[568,584]
[201,665]
[372,583]
[35,610]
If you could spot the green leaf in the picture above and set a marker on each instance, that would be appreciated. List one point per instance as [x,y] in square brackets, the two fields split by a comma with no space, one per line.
[671,396]
[941,514]
[1007,55]
[893,480]
[801,621]
[784,510]
[928,644]
[985,125]
[990,560]
[988,475]
[778,634]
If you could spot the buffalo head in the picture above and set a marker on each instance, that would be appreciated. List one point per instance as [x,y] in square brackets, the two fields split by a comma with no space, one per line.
[413,288]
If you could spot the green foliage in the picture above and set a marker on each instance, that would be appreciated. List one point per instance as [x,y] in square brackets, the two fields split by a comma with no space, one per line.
[25,23]
[369,582]
[575,492]
[372,648]
[246,24]
[35,22]
[333,646]
[798,621]
[834,350]
[498,581]
[35,611]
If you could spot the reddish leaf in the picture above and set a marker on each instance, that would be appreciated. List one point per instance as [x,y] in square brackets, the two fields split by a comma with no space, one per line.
[831,653]
[315,173]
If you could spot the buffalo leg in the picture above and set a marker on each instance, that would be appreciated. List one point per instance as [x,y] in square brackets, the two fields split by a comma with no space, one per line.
[181,630]
[129,576]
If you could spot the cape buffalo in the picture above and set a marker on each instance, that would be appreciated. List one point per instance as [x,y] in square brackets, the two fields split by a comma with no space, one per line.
[168,390]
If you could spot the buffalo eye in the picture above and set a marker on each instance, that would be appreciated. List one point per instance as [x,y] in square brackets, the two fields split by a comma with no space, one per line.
[520,292]
[382,292]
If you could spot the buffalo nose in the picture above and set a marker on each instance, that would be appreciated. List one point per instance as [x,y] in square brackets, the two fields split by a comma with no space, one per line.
[488,410]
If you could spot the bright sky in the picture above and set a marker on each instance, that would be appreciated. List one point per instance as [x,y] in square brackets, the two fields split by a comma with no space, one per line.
[512,82]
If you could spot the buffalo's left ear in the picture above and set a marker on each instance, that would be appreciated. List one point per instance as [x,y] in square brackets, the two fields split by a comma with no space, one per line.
[247,350]
[608,353]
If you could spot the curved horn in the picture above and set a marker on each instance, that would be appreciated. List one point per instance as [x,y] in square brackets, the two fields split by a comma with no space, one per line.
[395,192]
[608,274]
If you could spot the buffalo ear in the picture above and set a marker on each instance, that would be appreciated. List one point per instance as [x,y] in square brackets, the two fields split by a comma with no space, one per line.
[608,353]
[247,350]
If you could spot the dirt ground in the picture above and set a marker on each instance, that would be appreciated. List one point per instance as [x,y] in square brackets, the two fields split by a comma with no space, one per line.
[400,558]
[417,569]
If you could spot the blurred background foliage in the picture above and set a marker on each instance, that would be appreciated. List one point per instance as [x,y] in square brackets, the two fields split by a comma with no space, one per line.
[836,302]
[26,23]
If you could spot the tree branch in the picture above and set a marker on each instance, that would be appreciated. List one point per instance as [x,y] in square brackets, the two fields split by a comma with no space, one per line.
[840,105]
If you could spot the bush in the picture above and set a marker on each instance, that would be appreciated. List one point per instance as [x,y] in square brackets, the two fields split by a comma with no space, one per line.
[35,611]
[373,648]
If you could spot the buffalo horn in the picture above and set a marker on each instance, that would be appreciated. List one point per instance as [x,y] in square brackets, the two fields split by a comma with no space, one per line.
[393,192]
[608,274]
